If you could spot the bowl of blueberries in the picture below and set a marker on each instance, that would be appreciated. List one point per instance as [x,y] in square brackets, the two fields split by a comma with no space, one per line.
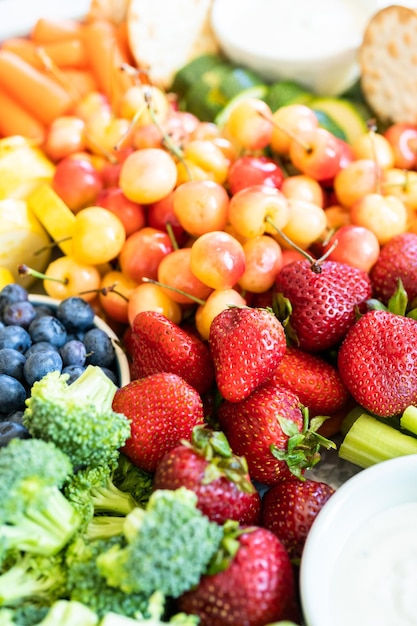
[39,334]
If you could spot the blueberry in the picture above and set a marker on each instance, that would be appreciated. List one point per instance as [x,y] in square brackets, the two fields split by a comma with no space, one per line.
[15,416]
[12,394]
[12,293]
[19,313]
[100,349]
[48,328]
[15,337]
[73,371]
[11,363]
[12,430]
[43,309]
[38,346]
[41,363]
[111,374]
[75,313]
[73,353]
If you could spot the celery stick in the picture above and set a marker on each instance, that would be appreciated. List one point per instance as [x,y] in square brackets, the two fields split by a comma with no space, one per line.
[371,441]
[408,420]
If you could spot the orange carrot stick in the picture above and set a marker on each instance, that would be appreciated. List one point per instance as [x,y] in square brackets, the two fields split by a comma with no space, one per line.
[106,57]
[65,53]
[46,30]
[15,120]
[82,82]
[39,93]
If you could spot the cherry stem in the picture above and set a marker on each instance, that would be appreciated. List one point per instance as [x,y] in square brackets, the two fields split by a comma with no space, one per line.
[24,270]
[288,132]
[51,245]
[53,69]
[179,291]
[315,263]
[105,290]
[171,236]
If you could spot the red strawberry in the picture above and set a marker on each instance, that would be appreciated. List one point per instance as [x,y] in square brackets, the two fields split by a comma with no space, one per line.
[268,428]
[377,362]
[220,479]
[255,589]
[163,409]
[289,509]
[323,296]
[246,346]
[397,259]
[160,345]
[314,380]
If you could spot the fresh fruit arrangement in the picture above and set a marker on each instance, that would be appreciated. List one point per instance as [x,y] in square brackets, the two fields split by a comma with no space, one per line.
[253,248]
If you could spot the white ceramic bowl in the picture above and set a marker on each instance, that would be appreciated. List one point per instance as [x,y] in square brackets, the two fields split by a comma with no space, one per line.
[313,42]
[122,364]
[359,565]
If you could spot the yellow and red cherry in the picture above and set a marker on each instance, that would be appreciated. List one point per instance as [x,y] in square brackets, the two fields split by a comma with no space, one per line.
[306,224]
[317,153]
[64,136]
[217,301]
[160,215]
[217,259]
[200,206]
[257,210]
[374,146]
[249,124]
[142,253]
[402,184]
[249,170]
[151,297]
[303,187]
[288,122]
[263,261]
[356,245]
[77,182]
[65,277]
[114,293]
[175,271]
[386,216]
[356,180]
[148,175]
[402,137]
[131,214]
[98,236]
[202,159]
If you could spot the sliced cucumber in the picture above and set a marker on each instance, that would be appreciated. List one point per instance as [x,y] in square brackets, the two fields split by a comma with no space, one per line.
[286,92]
[193,71]
[348,117]
[327,122]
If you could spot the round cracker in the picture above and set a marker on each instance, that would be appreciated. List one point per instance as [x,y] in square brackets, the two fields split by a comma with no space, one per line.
[388,63]
[164,35]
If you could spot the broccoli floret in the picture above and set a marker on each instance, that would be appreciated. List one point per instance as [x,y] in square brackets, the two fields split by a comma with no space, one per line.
[170,544]
[180,619]
[132,479]
[78,417]
[27,613]
[33,577]
[69,613]
[92,492]
[34,514]
[87,585]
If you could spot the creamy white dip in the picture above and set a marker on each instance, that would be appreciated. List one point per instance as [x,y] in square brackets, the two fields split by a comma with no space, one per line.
[296,27]
[375,579]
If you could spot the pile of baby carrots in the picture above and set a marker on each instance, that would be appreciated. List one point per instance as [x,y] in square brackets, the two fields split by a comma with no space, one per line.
[44,75]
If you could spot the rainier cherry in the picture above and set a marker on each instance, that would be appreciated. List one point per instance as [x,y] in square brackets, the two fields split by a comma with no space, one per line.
[131,214]
[148,175]
[143,251]
[200,206]
[317,153]
[77,182]
[249,170]
[252,210]
[356,245]
[403,140]
[249,124]
[217,259]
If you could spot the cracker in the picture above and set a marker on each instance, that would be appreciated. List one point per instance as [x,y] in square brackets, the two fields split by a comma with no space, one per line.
[112,10]
[164,35]
[388,63]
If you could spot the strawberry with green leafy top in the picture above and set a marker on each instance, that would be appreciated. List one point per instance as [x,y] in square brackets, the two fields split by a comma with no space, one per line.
[289,510]
[313,379]
[271,430]
[253,586]
[207,466]
[317,301]
[397,260]
[246,345]
[163,409]
[377,362]
[159,345]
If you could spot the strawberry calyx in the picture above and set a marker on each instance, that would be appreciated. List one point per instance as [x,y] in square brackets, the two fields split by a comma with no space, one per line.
[398,304]
[213,446]
[229,546]
[303,448]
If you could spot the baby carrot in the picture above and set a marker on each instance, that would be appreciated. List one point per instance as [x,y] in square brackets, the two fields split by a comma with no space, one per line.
[106,58]
[65,53]
[39,93]
[46,30]
[81,82]
[15,120]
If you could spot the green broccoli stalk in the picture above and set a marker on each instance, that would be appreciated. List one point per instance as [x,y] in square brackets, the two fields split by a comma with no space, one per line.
[132,479]
[170,544]
[33,577]
[34,514]
[69,613]
[86,584]
[104,527]
[79,417]
[92,492]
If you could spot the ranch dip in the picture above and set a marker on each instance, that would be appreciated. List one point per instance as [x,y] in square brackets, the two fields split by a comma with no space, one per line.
[375,579]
